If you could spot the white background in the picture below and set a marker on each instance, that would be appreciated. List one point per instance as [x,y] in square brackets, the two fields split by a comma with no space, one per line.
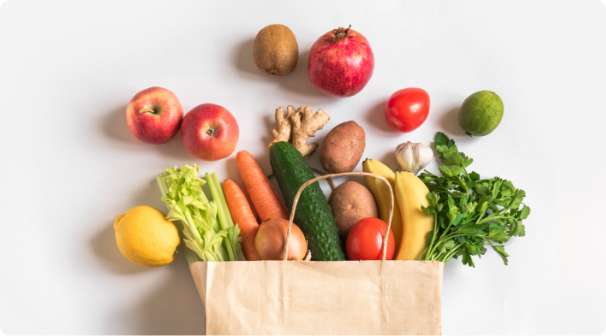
[69,165]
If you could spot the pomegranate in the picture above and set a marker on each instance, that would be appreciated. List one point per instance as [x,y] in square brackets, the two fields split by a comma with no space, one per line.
[341,62]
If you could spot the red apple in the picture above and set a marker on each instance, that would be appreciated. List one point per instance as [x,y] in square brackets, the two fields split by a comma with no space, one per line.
[210,132]
[153,115]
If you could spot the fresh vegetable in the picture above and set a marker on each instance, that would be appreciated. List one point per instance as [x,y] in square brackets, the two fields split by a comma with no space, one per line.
[351,202]
[313,214]
[243,215]
[366,238]
[262,195]
[481,113]
[341,62]
[471,213]
[297,126]
[382,197]
[411,197]
[275,50]
[154,115]
[271,236]
[206,224]
[210,132]
[144,236]
[343,147]
[407,109]
[413,157]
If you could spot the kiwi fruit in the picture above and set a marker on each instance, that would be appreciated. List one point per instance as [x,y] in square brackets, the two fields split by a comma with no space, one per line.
[275,50]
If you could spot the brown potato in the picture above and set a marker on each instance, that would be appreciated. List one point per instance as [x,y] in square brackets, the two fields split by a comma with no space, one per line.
[350,202]
[343,147]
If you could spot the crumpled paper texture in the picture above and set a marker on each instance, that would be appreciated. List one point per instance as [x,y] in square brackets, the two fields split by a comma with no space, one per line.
[341,297]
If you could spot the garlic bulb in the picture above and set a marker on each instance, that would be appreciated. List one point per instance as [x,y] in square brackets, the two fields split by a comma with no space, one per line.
[413,157]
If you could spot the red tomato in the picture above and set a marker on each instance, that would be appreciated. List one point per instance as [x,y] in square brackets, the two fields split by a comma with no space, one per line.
[407,109]
[365,240]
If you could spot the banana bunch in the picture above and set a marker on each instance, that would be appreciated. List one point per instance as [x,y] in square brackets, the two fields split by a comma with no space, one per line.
[410,225]
[381,194]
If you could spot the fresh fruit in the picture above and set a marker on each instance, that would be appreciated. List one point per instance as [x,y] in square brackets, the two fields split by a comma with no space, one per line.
[382,197]
[271,237]
[407,109]
[365,240]
[313,213]
[411,197]
[341,62]
[481,113]
[343,147]
[210,132]
[275,50]
[154,115]
[351,202]
[144,236]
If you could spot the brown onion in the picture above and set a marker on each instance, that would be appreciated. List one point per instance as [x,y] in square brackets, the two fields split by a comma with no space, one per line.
[270,238]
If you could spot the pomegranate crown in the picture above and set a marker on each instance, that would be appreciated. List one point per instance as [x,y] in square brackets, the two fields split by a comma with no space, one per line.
[341,33]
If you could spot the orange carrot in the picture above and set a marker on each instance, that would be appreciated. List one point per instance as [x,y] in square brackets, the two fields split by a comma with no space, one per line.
[264,199]
[243,216]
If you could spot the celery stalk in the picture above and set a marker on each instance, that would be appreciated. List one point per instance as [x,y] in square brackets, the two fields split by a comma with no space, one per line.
[206,226]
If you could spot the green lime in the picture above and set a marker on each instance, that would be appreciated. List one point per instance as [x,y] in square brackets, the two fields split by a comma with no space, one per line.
[481,113]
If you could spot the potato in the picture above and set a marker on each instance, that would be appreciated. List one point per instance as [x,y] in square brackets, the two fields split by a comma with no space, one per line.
[350,202]
[343,147]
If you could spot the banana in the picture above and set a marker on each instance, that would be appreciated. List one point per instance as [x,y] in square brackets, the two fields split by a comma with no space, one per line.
[411,197]
[381,194]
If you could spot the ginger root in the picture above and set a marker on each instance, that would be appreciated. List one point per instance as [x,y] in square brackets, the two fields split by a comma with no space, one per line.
[297,126]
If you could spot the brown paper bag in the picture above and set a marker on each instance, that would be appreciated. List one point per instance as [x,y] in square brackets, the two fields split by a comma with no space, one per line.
[320,297]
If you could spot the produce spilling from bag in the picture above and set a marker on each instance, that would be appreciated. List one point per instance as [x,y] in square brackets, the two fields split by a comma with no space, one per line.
[373,211]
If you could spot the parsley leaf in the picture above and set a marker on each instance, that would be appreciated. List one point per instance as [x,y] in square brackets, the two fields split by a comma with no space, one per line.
[470,213]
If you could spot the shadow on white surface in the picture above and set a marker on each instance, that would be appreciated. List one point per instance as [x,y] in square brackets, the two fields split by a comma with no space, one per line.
[449,122]
[113,126]
[389,159]
[269,121]
[103,242]
[375,117]
[173,307]
[104,247]
[296,82]
[244,62]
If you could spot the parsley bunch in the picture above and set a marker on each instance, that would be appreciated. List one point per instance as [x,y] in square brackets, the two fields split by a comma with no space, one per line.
[470,213]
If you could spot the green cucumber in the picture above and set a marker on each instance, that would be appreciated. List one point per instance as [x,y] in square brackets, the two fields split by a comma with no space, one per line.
[313,215]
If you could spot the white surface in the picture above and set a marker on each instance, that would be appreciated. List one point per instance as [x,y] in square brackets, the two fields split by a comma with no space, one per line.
[67,69]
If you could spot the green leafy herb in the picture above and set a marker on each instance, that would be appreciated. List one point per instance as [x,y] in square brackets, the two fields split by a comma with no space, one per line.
[470,213]
[206,225]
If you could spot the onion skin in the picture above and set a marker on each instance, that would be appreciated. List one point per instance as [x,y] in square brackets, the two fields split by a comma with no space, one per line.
[341,62]
[270,238]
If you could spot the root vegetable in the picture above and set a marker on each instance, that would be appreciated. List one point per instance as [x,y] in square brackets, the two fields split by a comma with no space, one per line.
[243,215]
[343,147]
[351,202]
[297,126]
[262,195]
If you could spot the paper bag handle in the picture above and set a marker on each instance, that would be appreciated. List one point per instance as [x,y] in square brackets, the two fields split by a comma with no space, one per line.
[307,183]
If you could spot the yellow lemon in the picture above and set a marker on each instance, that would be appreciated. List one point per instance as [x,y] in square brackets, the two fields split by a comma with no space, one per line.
[145,236]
